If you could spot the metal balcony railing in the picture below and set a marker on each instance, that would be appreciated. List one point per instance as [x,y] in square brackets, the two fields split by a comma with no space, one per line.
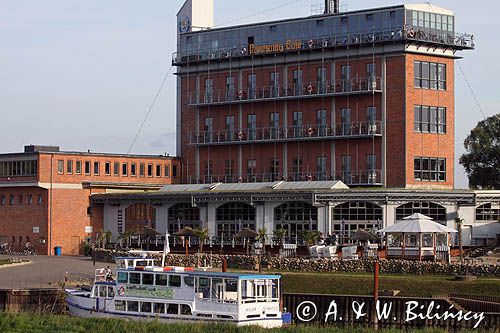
[293,91]
[458,41]
[357,178]
[350,130]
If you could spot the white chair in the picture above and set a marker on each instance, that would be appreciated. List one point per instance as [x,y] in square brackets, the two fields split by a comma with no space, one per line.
[313,252]
[330,252]
[319,250]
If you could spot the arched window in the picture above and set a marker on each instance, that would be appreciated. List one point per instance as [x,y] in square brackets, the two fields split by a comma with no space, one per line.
[296,217]
[183,215]
[351,216]
[234,216]
[430,209]
[138,216]
[488,212]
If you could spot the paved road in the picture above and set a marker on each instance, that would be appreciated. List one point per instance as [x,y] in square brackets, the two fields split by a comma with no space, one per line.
[44,271]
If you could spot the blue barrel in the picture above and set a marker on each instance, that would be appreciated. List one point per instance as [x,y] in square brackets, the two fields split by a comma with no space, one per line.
[287,318]
[57,251]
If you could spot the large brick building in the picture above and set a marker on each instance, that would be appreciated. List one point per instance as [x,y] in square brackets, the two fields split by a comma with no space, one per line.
[44,192]
[366,97]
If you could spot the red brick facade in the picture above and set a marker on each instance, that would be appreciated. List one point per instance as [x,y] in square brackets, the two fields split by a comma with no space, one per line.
[51,207]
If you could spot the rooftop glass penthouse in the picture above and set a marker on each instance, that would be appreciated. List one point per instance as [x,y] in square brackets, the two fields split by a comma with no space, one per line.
[421,22]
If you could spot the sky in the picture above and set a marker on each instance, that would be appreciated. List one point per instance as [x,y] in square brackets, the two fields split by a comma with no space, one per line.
[82,74]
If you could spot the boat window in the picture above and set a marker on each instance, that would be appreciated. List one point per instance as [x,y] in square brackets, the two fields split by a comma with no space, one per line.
[174,281]
[133,306]
[159,308]
[225,317]
[274,288]
[120,263]
[141,263]
[120,305]
[173,309]
[203,287]
[145,306]
[134,278]
[260,289]
[122,277]
[102,291]
[185,310]
[247,291]
[217,290]
[111,292]
[231,291]
[147,278]
[161,280]
[205,315]
[189,281]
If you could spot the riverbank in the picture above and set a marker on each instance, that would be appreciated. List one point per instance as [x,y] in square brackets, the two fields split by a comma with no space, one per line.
[10,323]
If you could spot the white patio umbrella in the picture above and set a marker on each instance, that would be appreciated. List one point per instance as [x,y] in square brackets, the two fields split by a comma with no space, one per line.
[417,223]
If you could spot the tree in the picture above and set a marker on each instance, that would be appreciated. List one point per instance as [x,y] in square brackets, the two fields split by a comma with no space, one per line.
[202,236]
[262,237]
[311,237]
[482,158]
[280,234]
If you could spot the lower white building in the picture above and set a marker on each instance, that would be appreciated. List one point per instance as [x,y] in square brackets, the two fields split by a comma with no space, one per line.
[327,206]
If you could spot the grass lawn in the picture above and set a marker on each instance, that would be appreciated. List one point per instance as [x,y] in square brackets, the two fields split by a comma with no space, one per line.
[4,262]
[10,323]
[362,284]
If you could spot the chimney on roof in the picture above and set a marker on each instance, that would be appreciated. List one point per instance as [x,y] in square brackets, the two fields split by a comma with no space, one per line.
[332,6]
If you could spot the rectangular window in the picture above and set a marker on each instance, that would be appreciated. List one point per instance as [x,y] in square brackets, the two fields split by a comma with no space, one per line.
[116,168]
[429,119]
[425,75]
[252,86]
[133,306]
[150,170]
[125,169]
[96,168]
[30,199]
[346,168]
[433,69]
[161,280]
[321,77]
[172,309]
[229,128]
[275,83]
[417,71]
[370,75]
[346,121]
[274,123]
[297,82]
[141,170]
[69,167]
[251,168]
[297,169]
[371,114]
[120,305]
[134,278]
[208,130]
[429,169]
[174,171]
[441,76]
[147,279]
[2,199]
[87,167]
[60,167]
[39,199]
[159,308]
[274,166]
[297,124]
[133,169]
[252,126]
[158,170]
[11,199]
[230,93]
[107,168]
[346,78]
[167,171]
[78,167]
[321,168]
[209,83]
[321,122]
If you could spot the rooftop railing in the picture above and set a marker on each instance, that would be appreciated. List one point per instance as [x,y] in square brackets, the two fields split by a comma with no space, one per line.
[293,91]
[359,129]
[458,41]
[351,177]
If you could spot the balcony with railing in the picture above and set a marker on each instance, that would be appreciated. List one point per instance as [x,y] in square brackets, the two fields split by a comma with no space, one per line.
[407,33]
[351,178]
[352,130]
[355,86]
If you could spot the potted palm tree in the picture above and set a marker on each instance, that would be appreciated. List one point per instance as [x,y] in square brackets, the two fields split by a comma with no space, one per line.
[311,237]
[280,234]
[202,235]
[262,238]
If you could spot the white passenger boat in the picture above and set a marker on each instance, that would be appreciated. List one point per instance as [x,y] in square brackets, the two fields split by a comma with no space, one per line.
[144,291]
